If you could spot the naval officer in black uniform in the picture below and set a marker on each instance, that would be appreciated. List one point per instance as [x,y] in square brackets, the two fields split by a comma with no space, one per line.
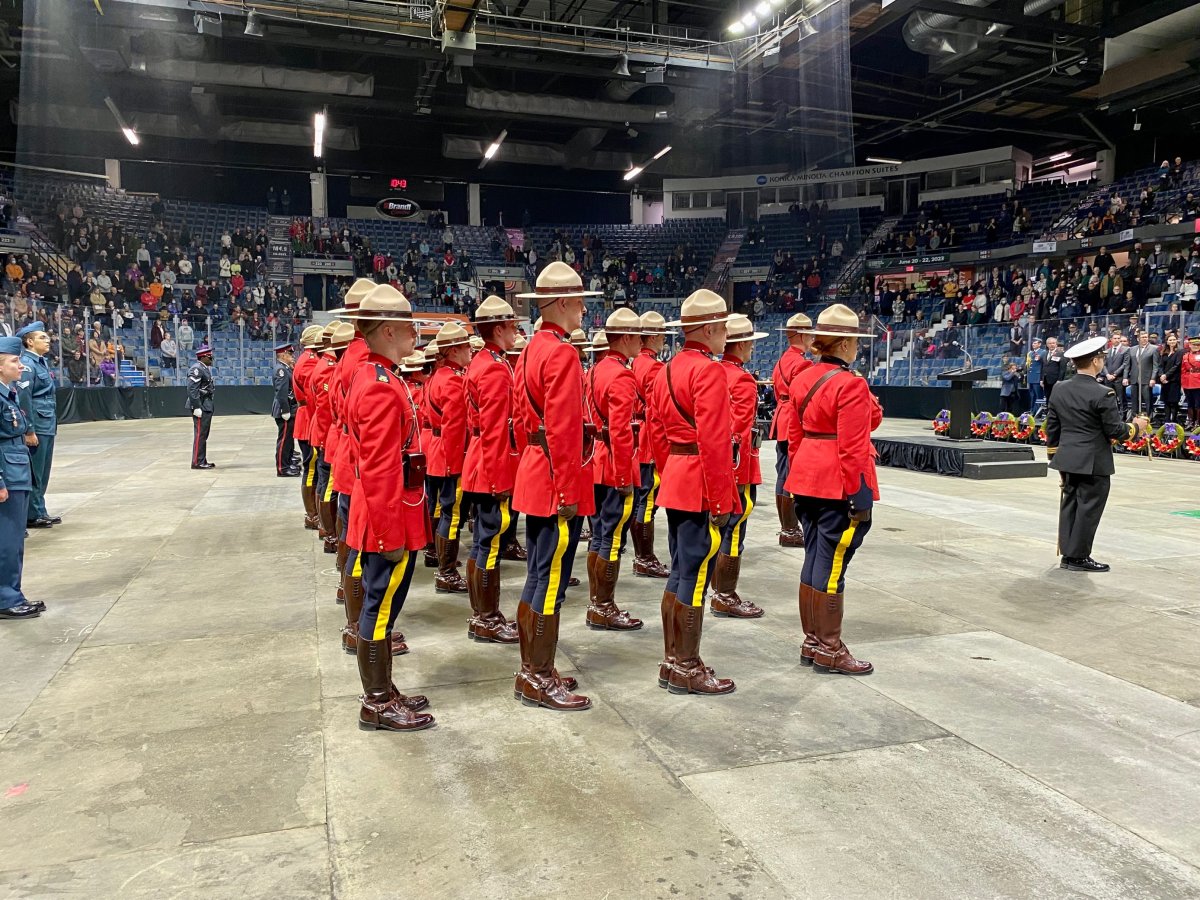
[283,409]
[1083,421]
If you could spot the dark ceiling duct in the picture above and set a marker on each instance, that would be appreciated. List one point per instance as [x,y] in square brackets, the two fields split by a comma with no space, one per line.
[940,34]
[539,106]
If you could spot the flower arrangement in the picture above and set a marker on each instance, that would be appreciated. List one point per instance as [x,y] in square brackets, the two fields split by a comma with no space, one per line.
[1167,439]
[1136,445]
[981,424]
[1004,426]
[941,424]
[1026,424]
[1191,446]
[1039,433]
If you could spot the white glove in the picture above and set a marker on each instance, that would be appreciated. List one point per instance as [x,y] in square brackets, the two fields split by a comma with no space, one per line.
[197,413]
[286,416]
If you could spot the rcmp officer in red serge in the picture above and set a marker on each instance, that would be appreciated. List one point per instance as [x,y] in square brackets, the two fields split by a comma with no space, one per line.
[833,481]
[310,342]
[446,408]
[791,363]
[1083,421]
[553,485]
[490,470]
[388,525]
[613,398]
[200,392]
[283,409]
[691,401]
[321,386]
[743,399]
[646,366]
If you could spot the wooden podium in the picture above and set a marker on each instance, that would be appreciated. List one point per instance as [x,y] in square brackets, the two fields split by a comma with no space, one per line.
[962,383]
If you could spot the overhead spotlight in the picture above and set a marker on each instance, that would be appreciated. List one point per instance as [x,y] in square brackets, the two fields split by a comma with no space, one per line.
[319,134]
[207,25]
[254,25]
[663,152]
[131,135]
[1058,157]
[494,147]
[763,9]
[622,66]
[807,29]
[778,2]
[749,20]
[633,173]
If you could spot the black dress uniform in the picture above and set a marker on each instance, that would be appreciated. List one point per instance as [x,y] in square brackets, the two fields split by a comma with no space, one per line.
[200,401]
[283,409]
[1083,421]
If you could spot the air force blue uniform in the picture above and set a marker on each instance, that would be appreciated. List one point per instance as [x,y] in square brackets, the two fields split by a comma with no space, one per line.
[16,476]
[36,395]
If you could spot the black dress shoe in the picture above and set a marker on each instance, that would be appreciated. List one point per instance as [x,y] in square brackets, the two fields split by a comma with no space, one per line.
[1087,564]
[20,611]
[206,465]
[289,473]
[36,604]
[55,520]
[39,522]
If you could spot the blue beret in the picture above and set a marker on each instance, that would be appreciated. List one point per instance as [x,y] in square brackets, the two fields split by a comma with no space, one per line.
[11,345]
[31,328]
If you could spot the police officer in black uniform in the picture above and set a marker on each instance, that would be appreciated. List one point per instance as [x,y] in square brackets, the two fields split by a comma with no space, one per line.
[200,401]
[283,408]
[1083,421]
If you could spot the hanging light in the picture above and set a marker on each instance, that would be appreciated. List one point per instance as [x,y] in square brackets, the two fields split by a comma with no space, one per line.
[319,134]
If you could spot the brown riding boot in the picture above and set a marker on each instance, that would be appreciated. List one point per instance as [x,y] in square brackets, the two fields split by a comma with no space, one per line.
[539,684]
[354,603]
[474,594]
[790,534]
[689,675]
[725,599]
[342,552]
[430,558]
[514,551]
[664,668]
[414,702]
[308,496]
[831,655]
[645,563]
[448,580]
[489,624]
[806,620]
[603,613]
[380,710]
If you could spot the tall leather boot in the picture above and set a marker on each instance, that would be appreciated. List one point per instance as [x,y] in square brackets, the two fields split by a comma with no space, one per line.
[667,608]
[645,563]
[525,637]
[412,701]
[689,675]
[541,684]
[430,557]
[342,552]
[809,646]
[354,604]
[514,551]
[790,534]
[448,580]
[603,613]
[831,655]
[380,711]
[328,515]
[489,625]
[726,601]
[308,495]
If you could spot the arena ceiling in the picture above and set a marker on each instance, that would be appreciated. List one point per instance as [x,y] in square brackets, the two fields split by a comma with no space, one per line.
[586,88]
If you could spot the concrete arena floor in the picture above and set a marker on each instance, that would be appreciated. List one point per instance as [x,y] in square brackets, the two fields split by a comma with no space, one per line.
[182,721]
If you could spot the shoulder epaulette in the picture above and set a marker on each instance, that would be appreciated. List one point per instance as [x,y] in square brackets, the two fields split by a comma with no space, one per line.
[381,373]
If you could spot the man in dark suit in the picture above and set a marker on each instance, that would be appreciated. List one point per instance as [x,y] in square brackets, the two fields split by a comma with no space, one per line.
[1082,424]
[1144,366]
[1116,368]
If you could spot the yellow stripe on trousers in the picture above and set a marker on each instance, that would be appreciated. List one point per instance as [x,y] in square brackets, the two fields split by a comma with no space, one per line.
[356,569]
[747,505]
[714,544]
[493,557]
[648,512]
[456,512]
[839,558]
[556,568]
[385,608]
[310,480]
[626,512]
[329,487]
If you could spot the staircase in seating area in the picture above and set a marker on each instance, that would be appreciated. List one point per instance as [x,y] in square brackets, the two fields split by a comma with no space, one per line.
[857,264]
[279,252]
[723,260]
[130,375]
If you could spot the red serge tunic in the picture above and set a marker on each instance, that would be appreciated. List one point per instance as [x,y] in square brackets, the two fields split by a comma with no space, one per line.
[548,392]
[831,450]
[743,403]
[491,464]
[318,389]
[382,421]
[693,406]
[337,451]
[612,392]
[1189,378]
[445,402]
[646,366]
[791,364]
[300,375]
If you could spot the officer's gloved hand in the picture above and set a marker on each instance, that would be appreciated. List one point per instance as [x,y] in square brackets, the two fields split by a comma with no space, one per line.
[197,413]
[861,502]
[568,511]
[625,490]
[286,416]
[394,556]
[719,521]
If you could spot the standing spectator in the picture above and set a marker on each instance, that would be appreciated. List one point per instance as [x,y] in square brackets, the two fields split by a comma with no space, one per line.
[1171,377]
[168,352]
[1010,381]
[186,337]
[1144,367]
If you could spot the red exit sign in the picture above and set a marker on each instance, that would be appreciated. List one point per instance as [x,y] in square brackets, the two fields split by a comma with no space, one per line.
[398,184]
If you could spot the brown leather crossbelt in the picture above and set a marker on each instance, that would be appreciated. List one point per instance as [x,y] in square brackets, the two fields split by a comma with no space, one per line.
[437,431]
[819,436]
[538,439]
[685,450]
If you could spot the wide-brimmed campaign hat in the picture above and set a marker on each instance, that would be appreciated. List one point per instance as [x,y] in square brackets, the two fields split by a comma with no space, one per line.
[343,334]
[520,344]
[355,296]
[798,322]
[494,309]
[654,323]
[311,336]
[740,328]
[623,321]
[579,339]
[414,362]
[430,351]
[476,342]
[384,303]
[599,342]
[702,307]
[452,335]
[839,320]
[556,281]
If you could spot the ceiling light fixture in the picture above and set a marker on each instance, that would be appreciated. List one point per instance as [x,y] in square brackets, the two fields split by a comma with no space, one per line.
[319,134]
[749,20]
[254,25]
[737,27]
[663,152]
[807,29]
[763,9]
[130,134]
[633,173]
[493,148]
[884,161]
[1058,157]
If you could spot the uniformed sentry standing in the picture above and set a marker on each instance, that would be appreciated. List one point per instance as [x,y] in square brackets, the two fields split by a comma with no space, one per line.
[793,361]
[646,366]
[283,409]
[36,395]
[16,483]
[310,340]
[1083,421]
[200,401]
